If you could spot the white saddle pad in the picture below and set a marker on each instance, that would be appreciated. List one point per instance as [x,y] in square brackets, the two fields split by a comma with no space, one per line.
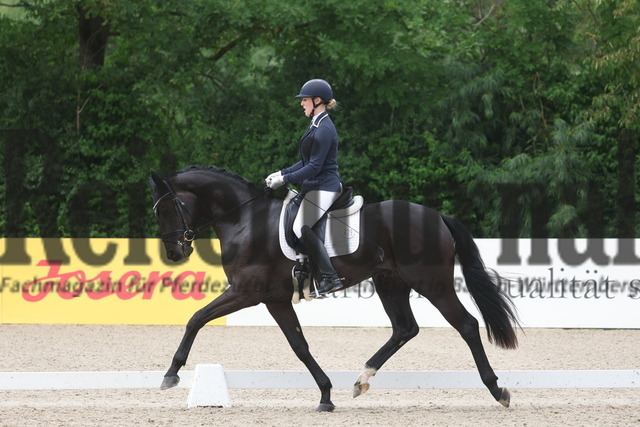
[342,236]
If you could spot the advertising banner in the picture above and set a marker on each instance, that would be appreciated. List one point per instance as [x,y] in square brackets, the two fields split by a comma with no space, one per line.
[554,283]
[566,283]
[105,281]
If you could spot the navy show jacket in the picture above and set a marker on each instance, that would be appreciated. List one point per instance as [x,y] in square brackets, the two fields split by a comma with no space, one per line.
[318,168]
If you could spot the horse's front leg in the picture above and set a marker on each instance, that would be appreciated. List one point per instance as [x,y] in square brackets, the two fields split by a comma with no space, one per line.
[227,303]
[286,317]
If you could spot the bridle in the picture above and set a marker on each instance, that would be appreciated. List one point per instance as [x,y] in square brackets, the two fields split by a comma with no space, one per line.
[186,235]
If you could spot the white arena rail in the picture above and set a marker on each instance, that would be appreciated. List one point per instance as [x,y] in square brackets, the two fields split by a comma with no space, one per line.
[209,384]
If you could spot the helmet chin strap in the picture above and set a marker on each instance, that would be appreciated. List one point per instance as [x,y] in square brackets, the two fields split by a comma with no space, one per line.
[313,111]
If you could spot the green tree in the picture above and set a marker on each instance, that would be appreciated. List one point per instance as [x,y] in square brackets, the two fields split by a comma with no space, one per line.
[520,118]
[616,108]
[516,107]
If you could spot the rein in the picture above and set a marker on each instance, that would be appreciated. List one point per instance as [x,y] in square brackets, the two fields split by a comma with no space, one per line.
[188,234]
[251,199]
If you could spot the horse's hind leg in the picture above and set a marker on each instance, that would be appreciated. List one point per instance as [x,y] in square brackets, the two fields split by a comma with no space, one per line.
[456,314]
[394,294]
[227,303]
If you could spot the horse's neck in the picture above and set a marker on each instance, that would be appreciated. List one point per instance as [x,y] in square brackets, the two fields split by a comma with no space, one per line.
[247,209]
[228,201]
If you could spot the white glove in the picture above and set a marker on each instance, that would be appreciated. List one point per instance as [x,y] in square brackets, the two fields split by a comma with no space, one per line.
[276,181]
[268,180]
[273,175]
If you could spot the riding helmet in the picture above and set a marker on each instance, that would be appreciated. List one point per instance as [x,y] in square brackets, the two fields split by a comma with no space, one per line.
[316,87]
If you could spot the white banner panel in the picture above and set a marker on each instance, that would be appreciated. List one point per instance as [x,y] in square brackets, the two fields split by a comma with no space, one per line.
[554,283]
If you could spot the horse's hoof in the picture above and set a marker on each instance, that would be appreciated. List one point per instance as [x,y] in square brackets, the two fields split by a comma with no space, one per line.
[326,407]
[505,398]
[359,388]
[170,382]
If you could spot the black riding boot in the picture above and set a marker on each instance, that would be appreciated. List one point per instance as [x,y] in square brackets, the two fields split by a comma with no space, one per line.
[318,254]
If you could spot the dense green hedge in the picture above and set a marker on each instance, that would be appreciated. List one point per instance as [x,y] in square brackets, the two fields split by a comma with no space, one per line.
[518,117]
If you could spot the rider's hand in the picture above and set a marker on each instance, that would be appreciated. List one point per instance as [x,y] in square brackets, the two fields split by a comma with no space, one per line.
[270,178]
[276,181]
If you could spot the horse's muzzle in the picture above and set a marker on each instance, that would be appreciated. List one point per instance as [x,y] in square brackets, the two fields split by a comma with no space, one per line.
[187,250]
[179,252]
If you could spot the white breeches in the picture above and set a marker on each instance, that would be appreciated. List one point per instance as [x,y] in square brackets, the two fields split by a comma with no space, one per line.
[313,207]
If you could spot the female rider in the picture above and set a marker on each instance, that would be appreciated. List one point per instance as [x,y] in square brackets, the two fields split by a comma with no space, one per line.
[317,175]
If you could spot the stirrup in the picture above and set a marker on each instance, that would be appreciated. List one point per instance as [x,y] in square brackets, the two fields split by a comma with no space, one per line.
[301,273]
[326,286]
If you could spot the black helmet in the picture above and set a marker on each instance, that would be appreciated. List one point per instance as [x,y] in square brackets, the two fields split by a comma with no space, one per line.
[314,88]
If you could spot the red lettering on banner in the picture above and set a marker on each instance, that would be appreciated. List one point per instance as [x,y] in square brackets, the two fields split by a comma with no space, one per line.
[125,285]
[101,286]
[195,290]
[71,284]
[54,273]
[154,278]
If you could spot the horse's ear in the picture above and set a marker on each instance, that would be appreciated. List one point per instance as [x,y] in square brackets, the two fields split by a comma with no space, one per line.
[157,182]
[155,179]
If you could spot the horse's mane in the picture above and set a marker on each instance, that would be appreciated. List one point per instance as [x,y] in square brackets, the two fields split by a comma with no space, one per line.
[215,170]
[212,170]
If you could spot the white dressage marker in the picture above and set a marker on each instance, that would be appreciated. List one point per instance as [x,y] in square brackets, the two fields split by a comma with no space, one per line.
[209,387]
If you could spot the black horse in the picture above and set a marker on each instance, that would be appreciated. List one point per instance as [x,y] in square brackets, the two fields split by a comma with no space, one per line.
[403,247]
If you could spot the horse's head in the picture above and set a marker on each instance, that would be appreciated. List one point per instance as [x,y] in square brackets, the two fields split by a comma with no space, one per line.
[176,216]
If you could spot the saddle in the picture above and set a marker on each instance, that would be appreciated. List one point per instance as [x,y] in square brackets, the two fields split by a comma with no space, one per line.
[344,201]
[338,229]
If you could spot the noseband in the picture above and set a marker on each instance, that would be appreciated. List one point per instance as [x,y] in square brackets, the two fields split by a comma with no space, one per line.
[185,234]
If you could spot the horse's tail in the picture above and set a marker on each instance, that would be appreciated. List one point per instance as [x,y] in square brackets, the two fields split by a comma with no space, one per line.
[497,309]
